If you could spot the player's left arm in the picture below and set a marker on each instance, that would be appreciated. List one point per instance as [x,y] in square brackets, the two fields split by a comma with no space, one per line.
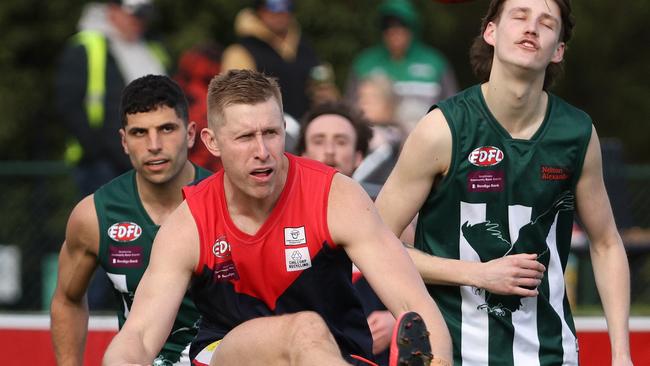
[610,264]
[355,225]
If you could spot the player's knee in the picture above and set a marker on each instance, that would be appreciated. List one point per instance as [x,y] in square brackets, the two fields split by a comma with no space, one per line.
[308,327]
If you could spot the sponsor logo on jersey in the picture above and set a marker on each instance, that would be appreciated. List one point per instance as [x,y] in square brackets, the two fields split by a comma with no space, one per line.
[554,173]
[225,271]
[125,256]
[486,181]
[485,156]
[297,259]
[221,248]
[124,231]
[295,236]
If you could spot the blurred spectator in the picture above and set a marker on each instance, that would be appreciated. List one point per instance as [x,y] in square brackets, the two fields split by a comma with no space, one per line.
[321,85]
[270,41]
[108,52]
[338,135]
[376,99]
[422,76]
[196,67]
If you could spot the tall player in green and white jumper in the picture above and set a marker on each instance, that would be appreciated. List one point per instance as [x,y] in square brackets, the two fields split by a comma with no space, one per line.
[496,173]
[115,227]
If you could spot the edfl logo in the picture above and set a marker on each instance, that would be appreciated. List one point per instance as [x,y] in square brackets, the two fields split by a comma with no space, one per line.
[124,231]
[221,248]
[485,156]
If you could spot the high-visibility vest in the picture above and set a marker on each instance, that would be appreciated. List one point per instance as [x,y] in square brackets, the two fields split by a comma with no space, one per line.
[95,44]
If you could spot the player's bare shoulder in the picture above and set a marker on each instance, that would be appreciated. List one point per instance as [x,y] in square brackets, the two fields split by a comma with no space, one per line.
[82,231]
[429,145]
[347,209]
[180,221]
[344,189]
[177,240]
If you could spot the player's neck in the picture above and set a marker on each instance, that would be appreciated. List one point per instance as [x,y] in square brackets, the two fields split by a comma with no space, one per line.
[159,200]
[249,212]
[518,105]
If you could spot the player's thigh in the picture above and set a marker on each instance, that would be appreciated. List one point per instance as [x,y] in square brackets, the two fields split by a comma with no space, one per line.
[266,340]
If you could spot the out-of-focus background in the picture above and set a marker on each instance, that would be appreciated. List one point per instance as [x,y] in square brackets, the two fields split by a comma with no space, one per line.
[607,74]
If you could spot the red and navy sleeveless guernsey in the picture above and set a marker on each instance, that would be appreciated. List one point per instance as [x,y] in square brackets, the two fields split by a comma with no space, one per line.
[291,264]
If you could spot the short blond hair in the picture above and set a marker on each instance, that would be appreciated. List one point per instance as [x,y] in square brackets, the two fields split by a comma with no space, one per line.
[239,87]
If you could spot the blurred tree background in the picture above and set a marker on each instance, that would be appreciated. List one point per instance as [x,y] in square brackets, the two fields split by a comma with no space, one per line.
[607,64]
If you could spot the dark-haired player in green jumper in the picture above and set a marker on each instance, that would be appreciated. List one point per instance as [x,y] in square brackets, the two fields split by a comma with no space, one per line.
[115,227]
[496,173]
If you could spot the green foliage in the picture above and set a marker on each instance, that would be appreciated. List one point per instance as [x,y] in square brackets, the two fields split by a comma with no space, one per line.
[186,24]
[32,32]
[608,70]
[607,63]
[330,26]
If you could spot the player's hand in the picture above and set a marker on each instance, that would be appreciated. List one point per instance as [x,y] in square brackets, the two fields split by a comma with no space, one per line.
[518,274]
[381,325]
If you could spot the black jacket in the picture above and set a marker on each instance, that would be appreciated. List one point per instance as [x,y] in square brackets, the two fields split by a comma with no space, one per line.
[70,90]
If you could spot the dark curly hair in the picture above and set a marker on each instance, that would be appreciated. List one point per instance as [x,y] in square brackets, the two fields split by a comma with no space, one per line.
[150,92]
[481,53]
[357,120]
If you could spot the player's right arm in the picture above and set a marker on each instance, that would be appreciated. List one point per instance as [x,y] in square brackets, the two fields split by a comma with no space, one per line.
[77,263]
[174,256]
[425,159]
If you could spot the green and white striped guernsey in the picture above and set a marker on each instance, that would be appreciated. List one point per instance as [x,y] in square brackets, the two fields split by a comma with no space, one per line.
[126,233]
[505,196]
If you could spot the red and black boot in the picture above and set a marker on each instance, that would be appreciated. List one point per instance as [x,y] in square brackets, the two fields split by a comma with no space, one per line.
[409,344]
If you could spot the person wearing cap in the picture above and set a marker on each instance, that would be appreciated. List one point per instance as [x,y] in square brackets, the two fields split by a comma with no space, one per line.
[107,53]
[421,74]
[271,41]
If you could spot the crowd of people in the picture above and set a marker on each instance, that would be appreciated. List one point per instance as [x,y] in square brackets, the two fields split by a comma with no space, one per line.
[400,222]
